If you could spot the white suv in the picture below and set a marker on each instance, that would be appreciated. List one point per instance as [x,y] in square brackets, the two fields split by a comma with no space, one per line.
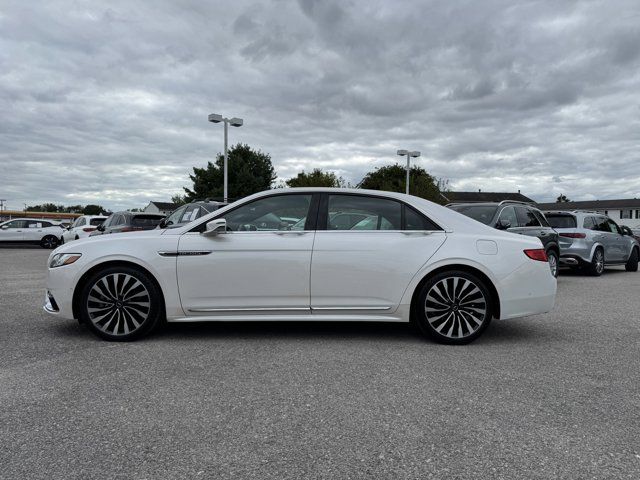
[46,233]
[82,227]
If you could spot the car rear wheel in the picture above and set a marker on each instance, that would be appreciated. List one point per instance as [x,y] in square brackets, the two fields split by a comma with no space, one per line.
[553,262]
[453,307]
[121,304]
[596,267]
[50,242]
[632,263]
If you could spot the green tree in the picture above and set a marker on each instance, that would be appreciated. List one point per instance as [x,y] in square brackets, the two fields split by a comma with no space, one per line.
[392,178]
[562,198]
[250,171]
[179,199]
[93,210]
[317,178]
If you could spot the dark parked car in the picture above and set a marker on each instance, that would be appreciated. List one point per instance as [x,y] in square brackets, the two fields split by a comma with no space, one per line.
[190,212]
[120,222]
[516,217]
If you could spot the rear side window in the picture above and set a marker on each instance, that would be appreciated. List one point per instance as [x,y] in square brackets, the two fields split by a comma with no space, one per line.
[416,221]
[601,224]
[540,217]
[562,220]
[145,221]
[589,223]
[375,213]
[526,217]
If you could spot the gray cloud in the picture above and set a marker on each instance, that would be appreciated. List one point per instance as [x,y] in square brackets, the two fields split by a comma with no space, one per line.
[107,102]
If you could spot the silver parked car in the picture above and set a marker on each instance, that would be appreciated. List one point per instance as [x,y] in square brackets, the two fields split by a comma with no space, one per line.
[592,241]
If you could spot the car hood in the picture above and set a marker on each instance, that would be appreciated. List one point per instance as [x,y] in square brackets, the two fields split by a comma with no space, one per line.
[109,240]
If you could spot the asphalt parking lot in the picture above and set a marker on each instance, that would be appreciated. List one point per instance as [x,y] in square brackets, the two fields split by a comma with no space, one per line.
[553,396]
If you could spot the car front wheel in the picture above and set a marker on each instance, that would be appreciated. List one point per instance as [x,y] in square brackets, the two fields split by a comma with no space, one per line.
[121,304]
[453,307]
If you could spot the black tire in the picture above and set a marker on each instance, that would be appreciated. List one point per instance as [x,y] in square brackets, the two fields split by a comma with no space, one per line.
[125,316]
[596,267]
[632,263]
[462,309]
[554,262]
[49,242]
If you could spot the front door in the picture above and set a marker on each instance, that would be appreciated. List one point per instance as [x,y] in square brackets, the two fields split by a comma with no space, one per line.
[261,265]
[13,231]
[367,250]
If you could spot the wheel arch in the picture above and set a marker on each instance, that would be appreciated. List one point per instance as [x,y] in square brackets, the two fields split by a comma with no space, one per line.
[75,303]
[495,297]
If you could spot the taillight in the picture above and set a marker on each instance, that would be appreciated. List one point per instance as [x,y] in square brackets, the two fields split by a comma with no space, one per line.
[573,235]
[88,229]
[537,254]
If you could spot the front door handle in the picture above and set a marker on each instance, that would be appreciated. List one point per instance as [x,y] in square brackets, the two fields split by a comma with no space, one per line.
[288,232]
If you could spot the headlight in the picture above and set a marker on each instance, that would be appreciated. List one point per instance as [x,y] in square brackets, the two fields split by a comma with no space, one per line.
[60,259]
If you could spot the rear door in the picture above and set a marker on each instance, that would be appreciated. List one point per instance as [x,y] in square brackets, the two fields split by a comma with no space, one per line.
[619,242]
[528,223]
[366,266]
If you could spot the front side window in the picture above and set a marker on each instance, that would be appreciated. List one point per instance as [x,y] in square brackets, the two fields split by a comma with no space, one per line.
[526,217]
[508,217]
[373,213]
[96,221]
[16,224]
[276,213]
[613,227]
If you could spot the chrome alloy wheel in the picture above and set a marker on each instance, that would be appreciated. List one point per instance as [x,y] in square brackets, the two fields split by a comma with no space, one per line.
[118,304]
[455,307]
[599,261]
[553,264]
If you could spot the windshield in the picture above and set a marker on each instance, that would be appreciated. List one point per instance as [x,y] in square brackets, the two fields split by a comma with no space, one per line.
[561,220]
[481,213]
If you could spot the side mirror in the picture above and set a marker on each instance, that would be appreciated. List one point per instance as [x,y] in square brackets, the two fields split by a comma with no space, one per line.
[100,228]
[215,226]
[503,225]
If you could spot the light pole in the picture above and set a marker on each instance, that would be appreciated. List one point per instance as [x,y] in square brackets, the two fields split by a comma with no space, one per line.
[409,154]
[235,122]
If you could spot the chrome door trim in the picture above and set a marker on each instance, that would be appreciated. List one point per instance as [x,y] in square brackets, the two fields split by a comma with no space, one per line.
[349,308]
[184,253]
[251,309]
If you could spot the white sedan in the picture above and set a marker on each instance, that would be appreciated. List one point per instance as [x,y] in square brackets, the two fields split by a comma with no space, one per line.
[82,227]
[46,233]
[306,254]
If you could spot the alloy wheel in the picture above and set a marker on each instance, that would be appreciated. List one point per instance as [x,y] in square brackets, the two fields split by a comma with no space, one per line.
[118,304]
[599,260]
[553,265]
[455,307]
[49,242]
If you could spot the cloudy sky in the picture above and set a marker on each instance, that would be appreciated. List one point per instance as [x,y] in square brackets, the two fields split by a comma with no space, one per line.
[107,102]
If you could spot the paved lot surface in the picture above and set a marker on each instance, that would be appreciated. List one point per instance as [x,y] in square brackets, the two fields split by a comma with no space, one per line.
[554,396]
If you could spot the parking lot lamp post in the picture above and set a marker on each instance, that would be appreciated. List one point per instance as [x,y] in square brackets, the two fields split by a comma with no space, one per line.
[409,154]
[235,122]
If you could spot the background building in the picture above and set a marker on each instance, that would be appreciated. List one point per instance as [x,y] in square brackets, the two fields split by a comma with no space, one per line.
[160,207]
[622,211]
[480,197]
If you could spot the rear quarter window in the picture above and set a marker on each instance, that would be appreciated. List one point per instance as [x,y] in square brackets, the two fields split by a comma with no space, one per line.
[561,221]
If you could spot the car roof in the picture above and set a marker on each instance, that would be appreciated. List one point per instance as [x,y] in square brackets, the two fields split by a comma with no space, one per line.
[35,219]
[448,219]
